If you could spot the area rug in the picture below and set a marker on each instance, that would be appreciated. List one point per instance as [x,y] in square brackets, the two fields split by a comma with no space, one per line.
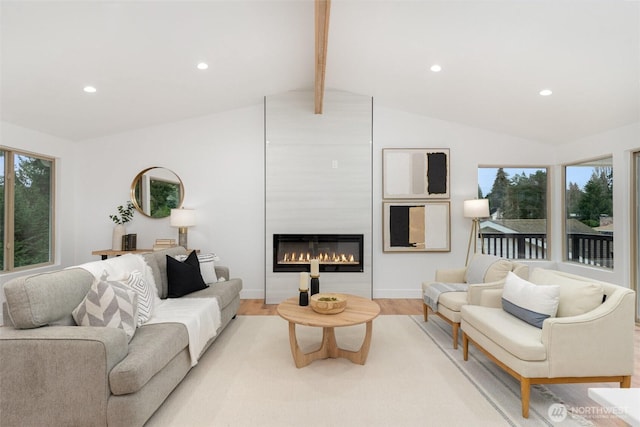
[248,378]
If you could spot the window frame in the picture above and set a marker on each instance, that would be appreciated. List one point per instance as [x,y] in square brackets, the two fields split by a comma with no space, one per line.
[549,238]
[565,248]
[635,228]
[9,209]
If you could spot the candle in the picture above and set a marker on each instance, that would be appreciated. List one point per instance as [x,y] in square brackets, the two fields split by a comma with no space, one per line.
[304,281]
[315,267]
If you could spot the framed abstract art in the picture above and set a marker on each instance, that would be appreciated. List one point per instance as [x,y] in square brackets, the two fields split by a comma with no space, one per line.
[416,226]
[415,173]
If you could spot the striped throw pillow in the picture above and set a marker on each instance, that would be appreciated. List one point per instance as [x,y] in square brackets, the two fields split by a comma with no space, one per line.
[529,302]
[207,266]
[108,304]
[145,296]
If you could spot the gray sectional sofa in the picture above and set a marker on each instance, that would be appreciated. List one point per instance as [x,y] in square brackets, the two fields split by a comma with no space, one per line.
[54,373]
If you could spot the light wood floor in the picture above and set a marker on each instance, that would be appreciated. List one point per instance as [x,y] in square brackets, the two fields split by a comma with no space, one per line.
[257,307]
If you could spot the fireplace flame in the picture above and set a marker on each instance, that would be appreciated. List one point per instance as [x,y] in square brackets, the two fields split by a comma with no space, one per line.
[324,258]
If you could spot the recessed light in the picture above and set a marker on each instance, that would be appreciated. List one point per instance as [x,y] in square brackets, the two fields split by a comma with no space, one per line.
[546,92]
[203,66]
[436,68]
[90,89]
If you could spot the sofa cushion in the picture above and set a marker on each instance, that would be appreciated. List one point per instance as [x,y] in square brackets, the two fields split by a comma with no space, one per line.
[109,304]
[452,300]
[184,277]
[158,262]
[152,262]
[149,352]
[529,302]
[576,296]
[46,299]
[515,336]
[225,292]
[486,268]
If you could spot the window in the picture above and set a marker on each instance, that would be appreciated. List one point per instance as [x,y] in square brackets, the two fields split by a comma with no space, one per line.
[589,212]
[517,228]
[26,209]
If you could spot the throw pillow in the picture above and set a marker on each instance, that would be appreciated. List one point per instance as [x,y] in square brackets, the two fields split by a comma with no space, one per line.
[108,304]
[486,268]
[207,266]
[184,277]
[529,302]
[146,300]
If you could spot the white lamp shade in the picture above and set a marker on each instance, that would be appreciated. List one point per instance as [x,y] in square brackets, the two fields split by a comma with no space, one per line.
[183,217]
[476,208]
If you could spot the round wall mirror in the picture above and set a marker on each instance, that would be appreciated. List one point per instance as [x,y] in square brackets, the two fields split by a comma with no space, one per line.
[155,191]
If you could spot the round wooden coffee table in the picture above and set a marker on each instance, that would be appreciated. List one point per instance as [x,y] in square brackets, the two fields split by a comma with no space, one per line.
[359,310]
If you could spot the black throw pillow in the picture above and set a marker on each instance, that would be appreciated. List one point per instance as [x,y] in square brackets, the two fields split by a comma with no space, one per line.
[184,277]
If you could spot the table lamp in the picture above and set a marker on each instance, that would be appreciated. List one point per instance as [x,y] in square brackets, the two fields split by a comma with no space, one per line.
[183,219]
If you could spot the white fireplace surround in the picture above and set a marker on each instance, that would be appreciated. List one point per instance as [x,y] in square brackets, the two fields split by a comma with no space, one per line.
[309,160]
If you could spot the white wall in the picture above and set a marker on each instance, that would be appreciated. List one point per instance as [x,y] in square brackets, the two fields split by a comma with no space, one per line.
[318,181]
[220,159]
[620,144]
[399,275]
[63,151]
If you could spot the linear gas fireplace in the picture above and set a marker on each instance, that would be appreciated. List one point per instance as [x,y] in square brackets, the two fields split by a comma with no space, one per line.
[336,252]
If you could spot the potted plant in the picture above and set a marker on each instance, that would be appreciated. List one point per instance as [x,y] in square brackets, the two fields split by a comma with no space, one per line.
[124,215]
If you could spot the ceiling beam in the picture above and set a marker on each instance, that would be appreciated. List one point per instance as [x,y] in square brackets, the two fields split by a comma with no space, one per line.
[322,37]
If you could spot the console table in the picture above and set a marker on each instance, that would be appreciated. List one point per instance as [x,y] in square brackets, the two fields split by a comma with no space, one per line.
[106,253]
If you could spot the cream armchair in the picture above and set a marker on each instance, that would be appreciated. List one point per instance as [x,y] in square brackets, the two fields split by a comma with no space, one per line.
[587,340]
[483,272]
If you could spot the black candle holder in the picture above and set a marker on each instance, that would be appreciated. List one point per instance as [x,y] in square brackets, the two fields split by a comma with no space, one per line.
[304,297]
[315,285]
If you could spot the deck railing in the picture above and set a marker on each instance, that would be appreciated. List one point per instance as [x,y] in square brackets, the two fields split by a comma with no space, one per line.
[590,249]
[516,245]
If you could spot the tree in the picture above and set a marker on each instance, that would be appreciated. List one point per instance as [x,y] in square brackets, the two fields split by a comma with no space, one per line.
[572,197]
[499,191]
[526,197]
[32,211]
[597,199]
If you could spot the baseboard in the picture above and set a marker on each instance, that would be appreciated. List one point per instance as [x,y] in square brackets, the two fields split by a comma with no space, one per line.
[398,293]
[377,293]
[252,294]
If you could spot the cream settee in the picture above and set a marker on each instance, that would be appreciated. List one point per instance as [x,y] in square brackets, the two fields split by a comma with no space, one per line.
[54,373]
[588,339]
[483,272]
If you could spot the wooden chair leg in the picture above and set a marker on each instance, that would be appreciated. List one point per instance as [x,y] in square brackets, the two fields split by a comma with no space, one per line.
[465,346]
[626,382]
[525,389]
[456,328]
[425,308]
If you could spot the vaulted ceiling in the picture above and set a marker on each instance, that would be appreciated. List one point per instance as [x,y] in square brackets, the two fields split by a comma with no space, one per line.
[496,56]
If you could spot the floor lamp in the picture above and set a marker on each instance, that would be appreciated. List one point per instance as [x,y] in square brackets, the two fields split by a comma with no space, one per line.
[475,209]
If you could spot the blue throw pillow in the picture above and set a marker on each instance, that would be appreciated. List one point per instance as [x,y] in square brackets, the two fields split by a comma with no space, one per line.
[184,277]
[529,302]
